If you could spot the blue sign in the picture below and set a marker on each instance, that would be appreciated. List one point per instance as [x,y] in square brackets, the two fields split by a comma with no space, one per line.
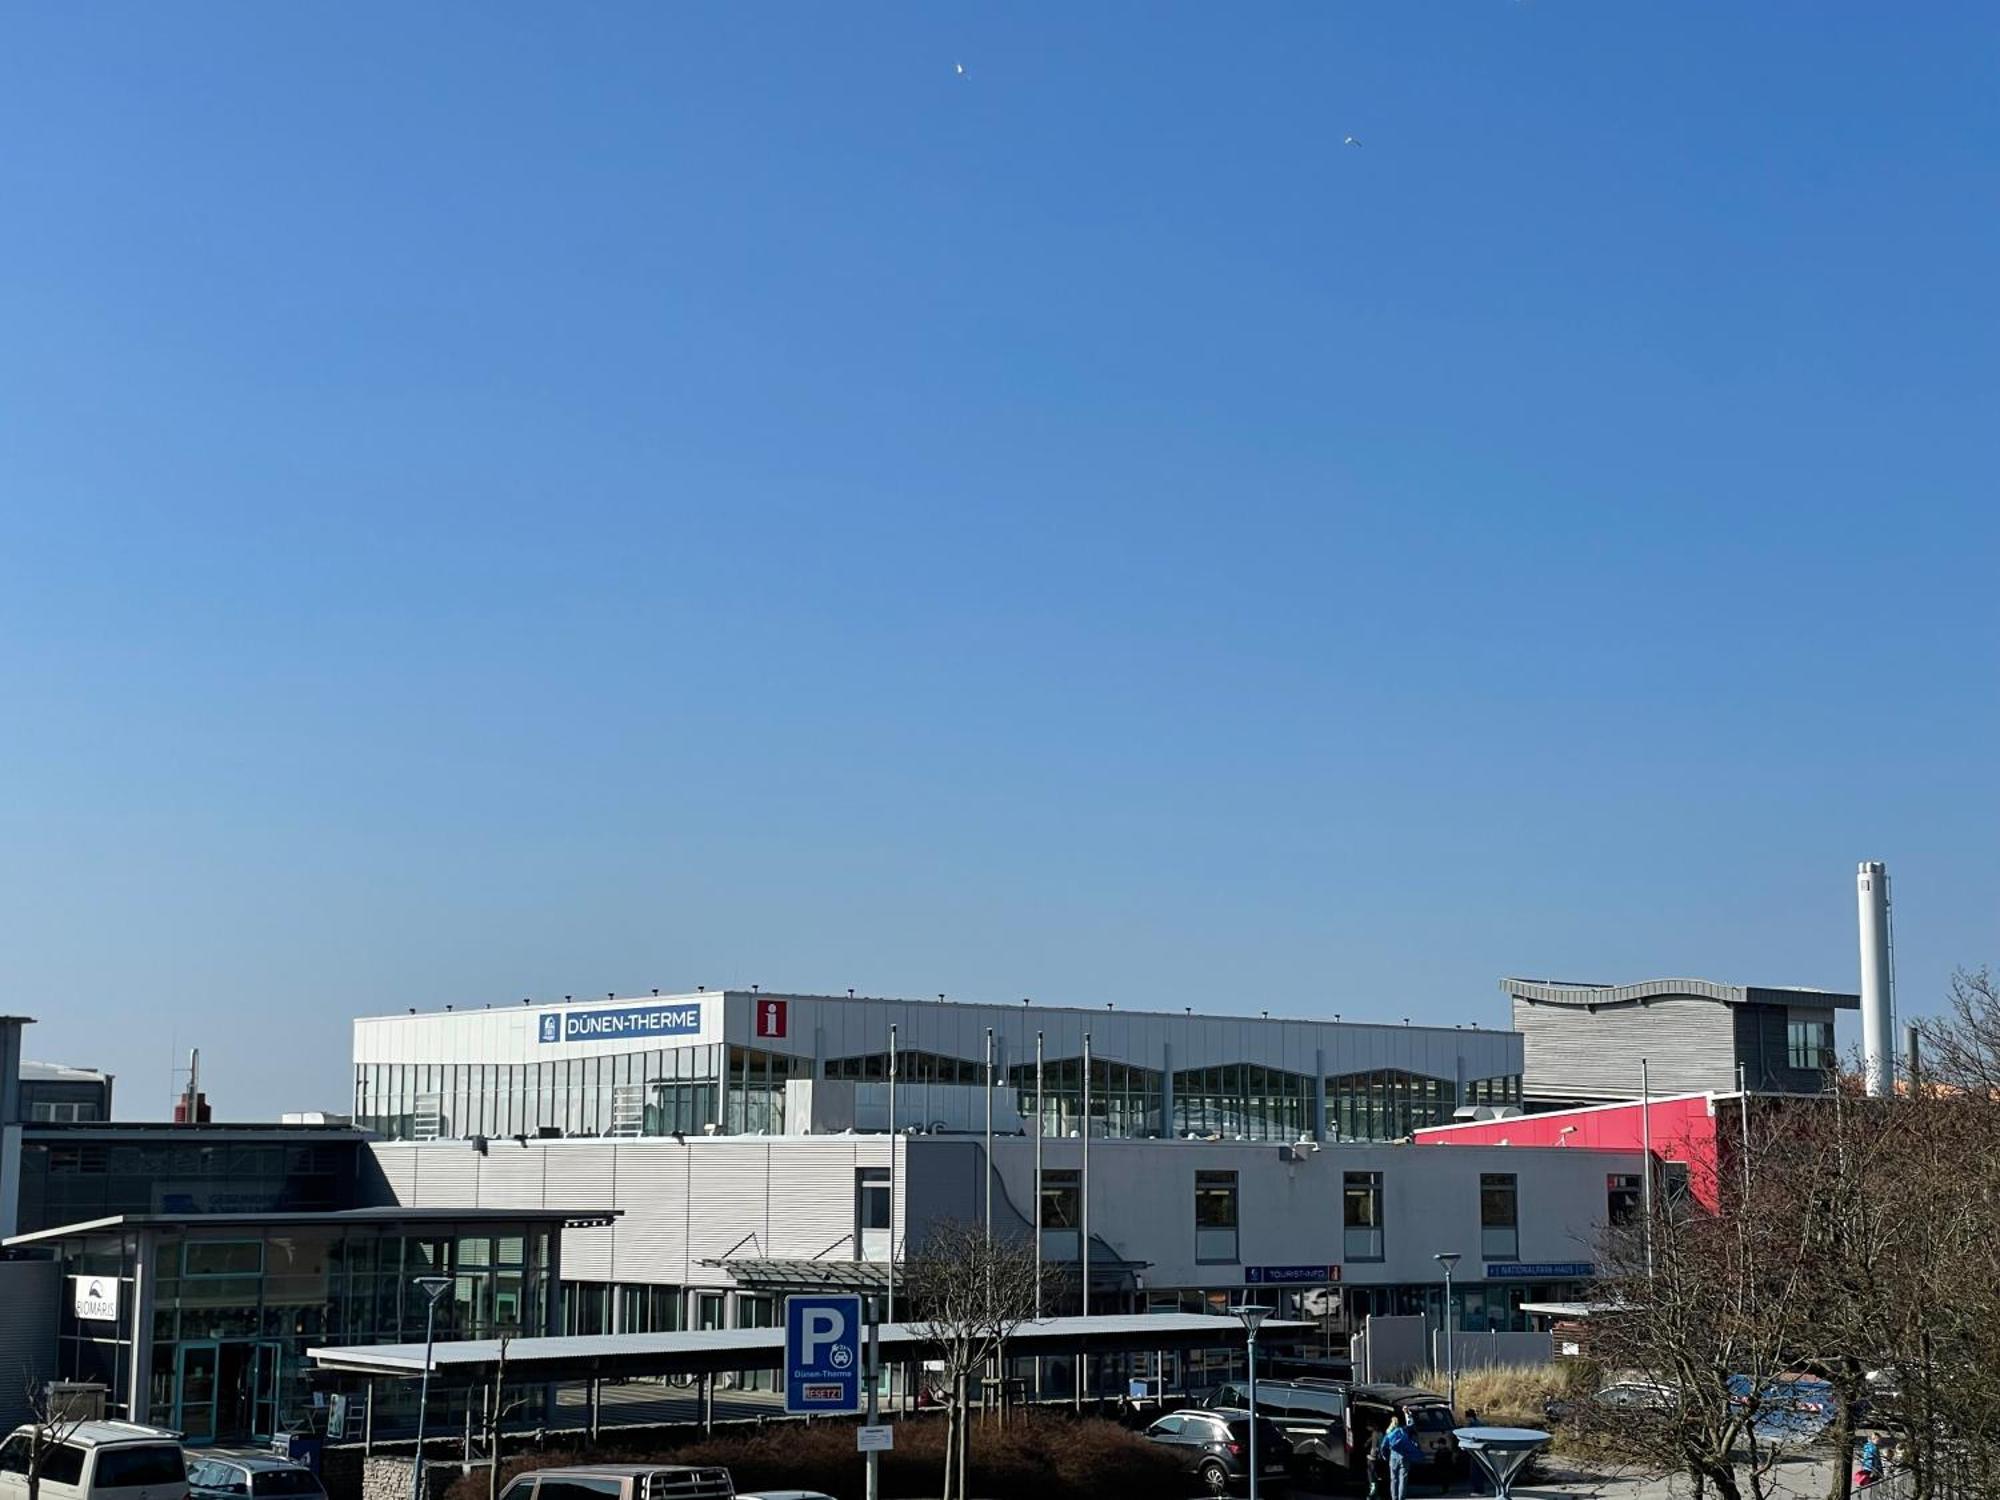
[1290,1275]
[822,1354]
[628,1021]
[1542,1270]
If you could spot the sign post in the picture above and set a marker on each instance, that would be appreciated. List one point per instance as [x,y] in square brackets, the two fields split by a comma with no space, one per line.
[822,1354]
[874,1365]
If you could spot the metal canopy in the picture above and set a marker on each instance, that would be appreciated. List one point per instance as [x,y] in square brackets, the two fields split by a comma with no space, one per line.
[584,1356]
[569,1218]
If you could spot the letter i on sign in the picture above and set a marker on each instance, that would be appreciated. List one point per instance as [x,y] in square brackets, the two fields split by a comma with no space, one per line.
[771,1017]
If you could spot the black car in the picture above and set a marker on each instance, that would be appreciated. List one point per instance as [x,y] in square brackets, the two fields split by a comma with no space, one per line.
[1215,1447]
[1370,1410]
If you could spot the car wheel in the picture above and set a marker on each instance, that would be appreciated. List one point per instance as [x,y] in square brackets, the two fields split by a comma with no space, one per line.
[1214,1478]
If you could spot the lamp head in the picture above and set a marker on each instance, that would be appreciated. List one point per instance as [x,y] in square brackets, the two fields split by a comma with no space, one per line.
[1447,1258]
[1253,1314]
[433,1287]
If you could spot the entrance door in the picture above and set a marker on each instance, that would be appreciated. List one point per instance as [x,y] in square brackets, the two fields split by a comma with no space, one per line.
[269,1379]
[197,1369]
[235,1390]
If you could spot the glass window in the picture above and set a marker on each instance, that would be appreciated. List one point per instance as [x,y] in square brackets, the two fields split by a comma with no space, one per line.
[1361,1215]
[871,1197]
[1625,1197]
[14,1454]
[1215,1202]
[127,1468]
[1809,1044]
[285,1483]
[579,1489]
[63,1464]
[223,1258]
[1062,1198]
[1499,1216]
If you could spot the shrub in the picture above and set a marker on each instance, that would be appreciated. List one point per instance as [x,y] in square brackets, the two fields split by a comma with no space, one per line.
[1040,1455]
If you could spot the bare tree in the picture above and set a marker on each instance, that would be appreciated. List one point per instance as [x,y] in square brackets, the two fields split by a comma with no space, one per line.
[969,1292]
[51,1423]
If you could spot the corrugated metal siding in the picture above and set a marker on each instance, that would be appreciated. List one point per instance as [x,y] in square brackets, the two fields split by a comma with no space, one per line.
[1689,1045]
[651,1238]
[30,1292]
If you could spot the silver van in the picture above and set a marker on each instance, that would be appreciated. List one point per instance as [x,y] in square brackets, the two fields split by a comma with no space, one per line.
[98,1461]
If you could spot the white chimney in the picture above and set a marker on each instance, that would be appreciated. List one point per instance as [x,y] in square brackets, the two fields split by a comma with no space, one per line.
[1878,1022]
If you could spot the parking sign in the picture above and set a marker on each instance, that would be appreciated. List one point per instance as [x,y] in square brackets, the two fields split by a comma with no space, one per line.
[822,1354]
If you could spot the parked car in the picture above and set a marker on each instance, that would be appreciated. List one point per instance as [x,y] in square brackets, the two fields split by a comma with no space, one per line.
[234,1473]
[98,1461]
[1312,1414]
[1214,1446]
[622,1482]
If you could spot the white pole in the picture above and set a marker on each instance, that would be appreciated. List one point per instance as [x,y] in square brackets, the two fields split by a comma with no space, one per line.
[989,1135]
[1083,1237]
[1253,1411]
[1041,1122]
[892,1172]
[874,1379]
[1646,1148]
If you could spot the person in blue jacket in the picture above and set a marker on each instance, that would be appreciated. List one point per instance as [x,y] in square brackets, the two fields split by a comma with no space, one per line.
[1402,1451]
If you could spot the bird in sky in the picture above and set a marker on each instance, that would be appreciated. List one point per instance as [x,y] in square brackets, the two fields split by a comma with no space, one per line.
[961,69]
[1350,141]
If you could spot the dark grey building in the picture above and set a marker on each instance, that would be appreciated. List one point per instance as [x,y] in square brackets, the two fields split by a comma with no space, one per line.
[1583,1043]
[55,1092]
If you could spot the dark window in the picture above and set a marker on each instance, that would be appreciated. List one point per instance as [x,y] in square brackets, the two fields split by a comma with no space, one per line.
[517,1489]
[127,1468]
[871,1197]
[1215,1216]
[286,1482]
[1361,1215]
[224,1258]
[1624,1197]
[579,1489]
[1499,1216]
[1809,1045]
[14,1454]
[1062,1199]
[1167,1427]
[63,1464]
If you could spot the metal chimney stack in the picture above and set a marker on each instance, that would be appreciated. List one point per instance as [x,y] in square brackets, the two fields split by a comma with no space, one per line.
[1878,1022]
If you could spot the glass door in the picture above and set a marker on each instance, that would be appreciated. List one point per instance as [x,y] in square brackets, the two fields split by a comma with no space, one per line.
[198,1363]
[267,1381]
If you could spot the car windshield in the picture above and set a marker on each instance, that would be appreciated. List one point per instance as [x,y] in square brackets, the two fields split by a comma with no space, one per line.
[285,1482]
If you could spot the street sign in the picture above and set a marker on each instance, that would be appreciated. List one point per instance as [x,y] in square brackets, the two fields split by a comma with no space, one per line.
[874,1439]
[1290,1275]
[822,1354]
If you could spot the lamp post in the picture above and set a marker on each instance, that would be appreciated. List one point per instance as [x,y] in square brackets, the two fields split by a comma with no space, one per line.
[433,1288]
[1253,1317]
[1448,1259]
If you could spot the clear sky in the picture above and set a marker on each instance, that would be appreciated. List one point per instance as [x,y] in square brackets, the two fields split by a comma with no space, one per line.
[510,500]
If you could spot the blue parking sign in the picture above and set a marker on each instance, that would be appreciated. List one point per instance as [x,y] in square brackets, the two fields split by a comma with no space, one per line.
[823,1354]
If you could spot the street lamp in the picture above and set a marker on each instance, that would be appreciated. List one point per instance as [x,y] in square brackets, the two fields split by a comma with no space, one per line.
[433,1288]
[1253,1317]
[1448,1259]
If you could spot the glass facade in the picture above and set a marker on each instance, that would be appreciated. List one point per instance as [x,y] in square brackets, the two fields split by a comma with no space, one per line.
[741,1091]
[653,1092]
[1243,1101]
[98,1176]
[1125,1101]
[234,1308]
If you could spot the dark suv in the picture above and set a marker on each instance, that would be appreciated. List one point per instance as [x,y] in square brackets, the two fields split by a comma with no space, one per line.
[1214,1446]
[1312,1414]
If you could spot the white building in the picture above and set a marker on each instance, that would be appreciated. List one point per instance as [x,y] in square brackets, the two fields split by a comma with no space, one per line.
[744,1139]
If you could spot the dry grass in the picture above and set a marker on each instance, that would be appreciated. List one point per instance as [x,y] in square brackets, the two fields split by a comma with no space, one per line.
[1508,1395]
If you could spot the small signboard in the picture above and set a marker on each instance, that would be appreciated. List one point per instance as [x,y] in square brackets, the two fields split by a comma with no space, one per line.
[880,1439]
[822,1354]
[1540,1270]
[1290,1275]
[94,1298]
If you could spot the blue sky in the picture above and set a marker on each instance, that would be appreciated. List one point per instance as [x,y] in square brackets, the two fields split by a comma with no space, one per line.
[505,500]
